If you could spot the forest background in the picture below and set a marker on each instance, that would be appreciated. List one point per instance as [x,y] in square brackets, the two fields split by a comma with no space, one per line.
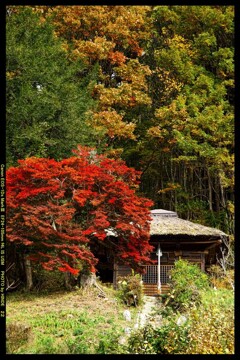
[153,85]
[150,85]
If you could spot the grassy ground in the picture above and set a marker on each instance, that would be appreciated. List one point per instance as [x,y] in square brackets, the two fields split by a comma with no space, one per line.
[81,322]
[78,322]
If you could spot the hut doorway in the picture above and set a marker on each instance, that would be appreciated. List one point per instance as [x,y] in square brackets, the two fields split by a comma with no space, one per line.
[105,269]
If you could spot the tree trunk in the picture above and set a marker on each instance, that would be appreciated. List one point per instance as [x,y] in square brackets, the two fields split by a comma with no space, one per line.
[210,197]
[223,200]
[68,281]
[28,272]
[87,280]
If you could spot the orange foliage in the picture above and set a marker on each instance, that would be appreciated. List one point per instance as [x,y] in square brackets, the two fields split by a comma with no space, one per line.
[113,37]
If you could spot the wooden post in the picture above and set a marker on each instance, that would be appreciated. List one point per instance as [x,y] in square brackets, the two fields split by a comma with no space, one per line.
[159,254]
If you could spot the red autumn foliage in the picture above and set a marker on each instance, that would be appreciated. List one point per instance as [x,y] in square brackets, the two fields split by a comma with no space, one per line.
[58,210]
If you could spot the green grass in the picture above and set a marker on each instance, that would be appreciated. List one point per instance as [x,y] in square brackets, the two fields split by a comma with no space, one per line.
[76,322]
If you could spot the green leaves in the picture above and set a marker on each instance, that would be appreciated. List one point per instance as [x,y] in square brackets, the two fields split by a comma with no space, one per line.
[46,103]
[186,282]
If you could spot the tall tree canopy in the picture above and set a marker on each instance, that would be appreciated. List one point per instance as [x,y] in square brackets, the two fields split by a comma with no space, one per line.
[112,37]
[187,153]
[154,85]
[58,210]
[46,91]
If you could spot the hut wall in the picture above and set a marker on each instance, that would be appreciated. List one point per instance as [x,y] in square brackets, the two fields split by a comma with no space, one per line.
[167,262]
[195,258]
[119,271]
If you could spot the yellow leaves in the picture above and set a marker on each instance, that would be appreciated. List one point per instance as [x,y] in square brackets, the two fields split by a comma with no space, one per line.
[12,74]
[127,24]
[113,34]
[97,49]
[180,43]
[171,187]
[196,132]
[134,73]
[170,83]
[114,153]
[156,132]
[112,124]
[230,207]
[65,46]
[121,24]
[123,96]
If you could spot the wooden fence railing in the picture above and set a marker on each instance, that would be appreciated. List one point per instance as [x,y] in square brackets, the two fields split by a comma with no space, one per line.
[150,276]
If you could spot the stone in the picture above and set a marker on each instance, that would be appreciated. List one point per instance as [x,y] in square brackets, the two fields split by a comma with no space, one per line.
[127,315]
[127,330]
[181,320]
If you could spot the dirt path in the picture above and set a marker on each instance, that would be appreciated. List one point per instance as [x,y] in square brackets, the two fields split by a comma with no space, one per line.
[144,317]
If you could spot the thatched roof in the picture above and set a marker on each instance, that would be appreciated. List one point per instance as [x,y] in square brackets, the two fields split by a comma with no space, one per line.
[176,226]
[167,223]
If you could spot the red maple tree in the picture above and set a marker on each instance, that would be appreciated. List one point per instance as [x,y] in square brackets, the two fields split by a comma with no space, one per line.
[58,209]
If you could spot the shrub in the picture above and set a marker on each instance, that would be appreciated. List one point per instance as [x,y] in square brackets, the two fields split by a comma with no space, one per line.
[219,279]
[208,327]
[130,289]
[187,281]
[45,345]
[140,342]
[46,281]
[167,339]
[212,324]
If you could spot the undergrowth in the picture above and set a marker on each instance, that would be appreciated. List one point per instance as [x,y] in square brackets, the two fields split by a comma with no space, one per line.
[78,322]
[197,319]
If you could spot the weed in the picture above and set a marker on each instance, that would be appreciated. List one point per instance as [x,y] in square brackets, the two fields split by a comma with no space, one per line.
[108,343]
[78,331]
[212,324]
[221,279]
[17,335]
[208,327]
[77,345]
[130,289]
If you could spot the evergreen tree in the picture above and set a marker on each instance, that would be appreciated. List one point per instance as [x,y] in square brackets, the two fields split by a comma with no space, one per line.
[47,95]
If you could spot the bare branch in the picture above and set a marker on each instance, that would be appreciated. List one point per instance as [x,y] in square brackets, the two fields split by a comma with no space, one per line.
[226,260]
[15,283]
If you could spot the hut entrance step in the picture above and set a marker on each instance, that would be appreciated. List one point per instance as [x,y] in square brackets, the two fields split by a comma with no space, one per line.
[152,290]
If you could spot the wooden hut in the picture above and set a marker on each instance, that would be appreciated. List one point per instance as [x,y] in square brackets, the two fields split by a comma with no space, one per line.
[174,238]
